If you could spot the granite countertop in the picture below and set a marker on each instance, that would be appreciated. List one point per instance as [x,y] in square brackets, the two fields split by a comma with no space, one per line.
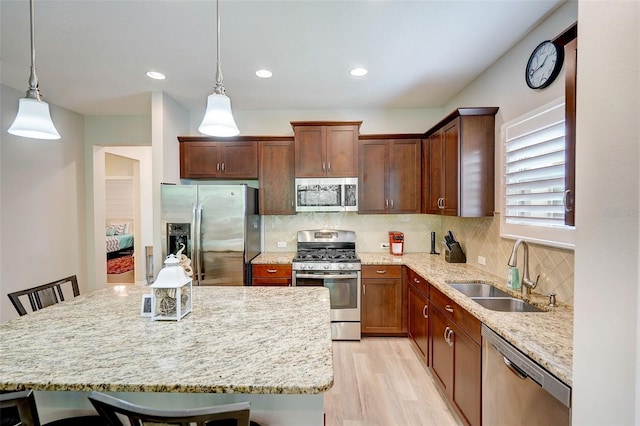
[546,337]
[236,340]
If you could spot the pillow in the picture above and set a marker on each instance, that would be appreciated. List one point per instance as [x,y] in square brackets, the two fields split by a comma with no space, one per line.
[117,229]
[122,227]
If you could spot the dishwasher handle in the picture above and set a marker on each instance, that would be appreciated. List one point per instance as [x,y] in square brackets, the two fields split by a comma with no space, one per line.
[514,368]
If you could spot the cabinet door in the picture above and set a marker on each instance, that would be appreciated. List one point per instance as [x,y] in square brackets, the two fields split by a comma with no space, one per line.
[342,151]
[199,160]
[240,160]
[374,173]
[441,352]
[450,164]
[435,172]
[381,306]
[419,321]
[277,191]
[404,176]
[310,150]
[467,388]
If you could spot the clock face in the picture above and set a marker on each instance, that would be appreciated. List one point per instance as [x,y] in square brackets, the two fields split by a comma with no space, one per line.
[544,65]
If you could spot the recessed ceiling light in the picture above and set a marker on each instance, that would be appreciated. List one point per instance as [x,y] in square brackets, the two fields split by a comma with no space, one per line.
[264,73]
[156,75]
[358,72]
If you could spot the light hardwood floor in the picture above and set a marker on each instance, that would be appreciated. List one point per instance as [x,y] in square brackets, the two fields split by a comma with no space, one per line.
[379,381]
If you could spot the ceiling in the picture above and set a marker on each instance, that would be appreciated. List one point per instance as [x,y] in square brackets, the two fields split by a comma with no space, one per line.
[92,55]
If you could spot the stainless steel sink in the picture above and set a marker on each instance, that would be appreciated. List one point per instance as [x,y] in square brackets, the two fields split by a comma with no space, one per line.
[477,289]
[506,304]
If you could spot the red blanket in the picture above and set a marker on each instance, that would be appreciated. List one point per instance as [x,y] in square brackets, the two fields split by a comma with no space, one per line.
[120,265]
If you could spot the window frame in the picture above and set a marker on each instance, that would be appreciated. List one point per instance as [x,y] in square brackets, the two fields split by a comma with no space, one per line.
[562,237]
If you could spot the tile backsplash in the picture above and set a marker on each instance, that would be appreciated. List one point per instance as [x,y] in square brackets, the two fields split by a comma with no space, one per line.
[478,236]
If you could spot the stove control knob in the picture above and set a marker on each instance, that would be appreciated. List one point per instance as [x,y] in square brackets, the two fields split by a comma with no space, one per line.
[350,266]
[326,266]
[342,266]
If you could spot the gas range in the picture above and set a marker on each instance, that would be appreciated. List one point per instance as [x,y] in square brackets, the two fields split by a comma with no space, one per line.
[326,250]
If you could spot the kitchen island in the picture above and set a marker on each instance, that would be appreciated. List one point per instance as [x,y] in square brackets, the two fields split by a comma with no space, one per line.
[269,346]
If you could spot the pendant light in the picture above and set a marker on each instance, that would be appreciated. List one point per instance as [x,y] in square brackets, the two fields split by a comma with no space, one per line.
[218,119]
[33,119]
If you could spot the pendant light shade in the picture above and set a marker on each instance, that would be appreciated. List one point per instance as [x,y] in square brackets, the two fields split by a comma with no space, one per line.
[218,119]
[33,119]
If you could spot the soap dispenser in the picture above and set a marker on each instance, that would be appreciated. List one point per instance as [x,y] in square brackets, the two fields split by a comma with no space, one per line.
[513,278]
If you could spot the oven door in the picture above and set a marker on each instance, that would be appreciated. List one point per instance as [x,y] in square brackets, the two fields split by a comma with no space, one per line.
[344,290]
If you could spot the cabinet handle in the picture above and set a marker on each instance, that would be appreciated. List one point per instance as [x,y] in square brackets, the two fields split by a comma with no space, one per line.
[449,336]
[446,331]
[448,308]
[381,271]
[364,289]
[392,203]
[386,204]
[329,166]
[323,167]
[223,167]
[218,167]
[417,281]
[424,314]
[272,271]
[565,197]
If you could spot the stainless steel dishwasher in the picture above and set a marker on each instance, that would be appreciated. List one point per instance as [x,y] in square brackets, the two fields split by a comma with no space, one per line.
[518,391]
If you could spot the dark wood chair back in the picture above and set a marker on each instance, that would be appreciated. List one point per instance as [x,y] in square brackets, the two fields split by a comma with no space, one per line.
[110,407]
[25,403]
[43,295]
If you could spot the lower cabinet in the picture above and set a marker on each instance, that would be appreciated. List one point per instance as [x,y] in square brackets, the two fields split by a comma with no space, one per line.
[418,313]
[271,275]
[456,355]
[382,300]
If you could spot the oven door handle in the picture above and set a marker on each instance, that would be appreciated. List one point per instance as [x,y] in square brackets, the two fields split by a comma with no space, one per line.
[331,276]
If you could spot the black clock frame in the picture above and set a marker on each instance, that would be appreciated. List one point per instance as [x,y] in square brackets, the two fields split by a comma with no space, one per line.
[556,69]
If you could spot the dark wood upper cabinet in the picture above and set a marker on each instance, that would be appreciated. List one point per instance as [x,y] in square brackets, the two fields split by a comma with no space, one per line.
[458,164]
[326,149]
[277,191]
[216,158]
[569,40]
[389,174]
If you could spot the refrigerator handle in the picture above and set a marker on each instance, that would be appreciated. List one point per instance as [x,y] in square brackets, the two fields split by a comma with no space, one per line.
[195,232]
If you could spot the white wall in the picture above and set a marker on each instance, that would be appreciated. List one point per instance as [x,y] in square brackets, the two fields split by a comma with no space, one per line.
[374,121]
[100,132]
[169,120]
[42,204]
[606,354]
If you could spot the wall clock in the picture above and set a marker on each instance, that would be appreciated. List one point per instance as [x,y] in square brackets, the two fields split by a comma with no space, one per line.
[544,65]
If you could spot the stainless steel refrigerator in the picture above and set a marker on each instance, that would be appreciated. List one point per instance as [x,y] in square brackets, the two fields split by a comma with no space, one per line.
[219,226]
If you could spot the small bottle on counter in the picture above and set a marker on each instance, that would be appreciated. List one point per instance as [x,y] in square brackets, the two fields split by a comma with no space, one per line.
[513,278]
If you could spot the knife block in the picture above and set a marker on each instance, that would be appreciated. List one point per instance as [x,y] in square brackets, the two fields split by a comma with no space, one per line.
[455,254]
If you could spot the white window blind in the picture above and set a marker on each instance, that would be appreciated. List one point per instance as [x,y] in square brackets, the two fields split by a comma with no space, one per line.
[534,175]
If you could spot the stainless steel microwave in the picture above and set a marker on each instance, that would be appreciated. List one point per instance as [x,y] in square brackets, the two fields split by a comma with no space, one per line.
[326,194]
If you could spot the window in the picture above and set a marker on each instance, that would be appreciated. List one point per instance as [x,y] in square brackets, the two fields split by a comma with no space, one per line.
[533,186]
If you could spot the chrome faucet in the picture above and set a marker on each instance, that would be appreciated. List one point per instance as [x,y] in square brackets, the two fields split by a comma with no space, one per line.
[527,284]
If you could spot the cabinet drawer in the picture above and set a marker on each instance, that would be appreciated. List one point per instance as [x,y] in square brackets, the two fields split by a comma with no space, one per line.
[467,322]
[381,271]
[418,282]
[272,271]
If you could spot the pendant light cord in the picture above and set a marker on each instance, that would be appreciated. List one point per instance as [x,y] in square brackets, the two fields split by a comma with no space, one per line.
[219,88]
[33,91]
